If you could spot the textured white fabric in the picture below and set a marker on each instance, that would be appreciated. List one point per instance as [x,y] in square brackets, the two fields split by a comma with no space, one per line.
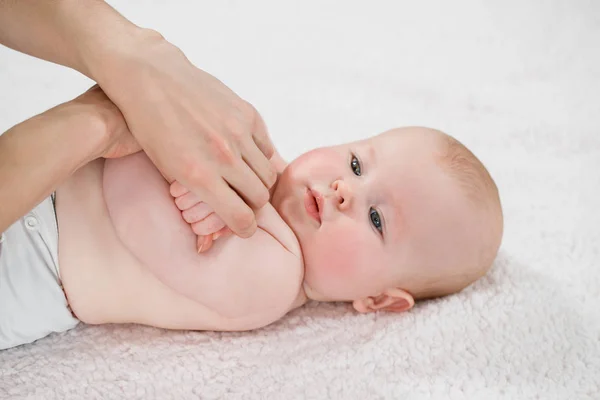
[32,302]
[517,81]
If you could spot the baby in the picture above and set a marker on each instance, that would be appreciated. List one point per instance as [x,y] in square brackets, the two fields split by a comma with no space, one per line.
[406,215]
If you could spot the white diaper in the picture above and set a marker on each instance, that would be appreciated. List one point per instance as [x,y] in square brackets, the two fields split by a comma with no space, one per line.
[32,302]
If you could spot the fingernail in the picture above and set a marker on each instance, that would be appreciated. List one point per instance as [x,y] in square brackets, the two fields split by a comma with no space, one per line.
[217,235]
[201,243]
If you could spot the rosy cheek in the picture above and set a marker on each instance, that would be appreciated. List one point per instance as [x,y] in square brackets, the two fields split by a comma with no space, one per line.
[318,162]
[340,253]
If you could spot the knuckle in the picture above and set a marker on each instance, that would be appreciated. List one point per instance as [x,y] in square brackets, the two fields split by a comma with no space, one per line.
[223,151]
[154,35]
[194,171]
[246,109]
[237,128]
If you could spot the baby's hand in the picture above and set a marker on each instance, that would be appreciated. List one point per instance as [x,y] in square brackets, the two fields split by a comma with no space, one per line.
[204,222]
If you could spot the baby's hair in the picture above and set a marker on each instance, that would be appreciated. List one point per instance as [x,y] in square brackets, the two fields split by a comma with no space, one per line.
[480,189]
[470,173]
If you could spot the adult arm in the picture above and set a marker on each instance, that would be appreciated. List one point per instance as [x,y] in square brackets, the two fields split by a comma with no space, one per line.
[37,155]
[194,128]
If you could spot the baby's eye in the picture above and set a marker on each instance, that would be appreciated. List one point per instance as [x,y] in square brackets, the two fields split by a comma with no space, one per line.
[355,165]
[375,219]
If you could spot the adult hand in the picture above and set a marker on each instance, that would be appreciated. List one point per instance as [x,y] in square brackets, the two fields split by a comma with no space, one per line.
[194,128]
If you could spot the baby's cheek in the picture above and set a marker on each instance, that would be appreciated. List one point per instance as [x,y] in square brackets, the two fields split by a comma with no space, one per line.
[340,253]
[317,163]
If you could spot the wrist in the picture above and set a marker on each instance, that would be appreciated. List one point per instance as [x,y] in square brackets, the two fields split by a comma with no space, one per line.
[87,128]
[112,62]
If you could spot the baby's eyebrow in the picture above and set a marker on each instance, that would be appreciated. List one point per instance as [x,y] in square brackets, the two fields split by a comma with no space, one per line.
[372,154]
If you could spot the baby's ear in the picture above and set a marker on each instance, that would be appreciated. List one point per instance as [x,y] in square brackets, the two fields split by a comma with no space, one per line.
[392,300]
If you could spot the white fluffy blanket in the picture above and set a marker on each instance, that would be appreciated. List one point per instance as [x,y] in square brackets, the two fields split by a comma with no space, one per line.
[518,82]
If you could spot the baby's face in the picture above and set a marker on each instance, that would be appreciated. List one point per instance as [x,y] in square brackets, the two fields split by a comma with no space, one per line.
[370,214]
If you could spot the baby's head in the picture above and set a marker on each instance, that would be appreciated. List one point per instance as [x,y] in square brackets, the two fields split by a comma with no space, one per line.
[406,215]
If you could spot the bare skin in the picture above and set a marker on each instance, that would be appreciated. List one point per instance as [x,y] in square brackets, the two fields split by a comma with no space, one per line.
[194,128]
[234,289]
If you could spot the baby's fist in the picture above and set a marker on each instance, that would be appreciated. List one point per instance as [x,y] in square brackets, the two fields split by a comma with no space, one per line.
[204,222]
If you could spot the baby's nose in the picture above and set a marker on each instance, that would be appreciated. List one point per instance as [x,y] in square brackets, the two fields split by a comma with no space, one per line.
[342,194]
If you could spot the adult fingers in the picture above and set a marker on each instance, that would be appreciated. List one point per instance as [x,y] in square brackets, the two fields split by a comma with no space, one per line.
[228,205]
[247,184]
[260,164]
[260,134]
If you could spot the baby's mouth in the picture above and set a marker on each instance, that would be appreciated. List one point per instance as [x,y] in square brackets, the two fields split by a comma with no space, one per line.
[312,200]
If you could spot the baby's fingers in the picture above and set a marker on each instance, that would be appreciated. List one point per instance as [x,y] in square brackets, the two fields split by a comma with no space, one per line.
[177,189]
[223,232]
[187,201]
[196,213]
[208,226]
[205,242]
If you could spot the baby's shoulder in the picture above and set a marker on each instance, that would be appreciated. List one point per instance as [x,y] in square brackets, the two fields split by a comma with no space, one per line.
[269,221]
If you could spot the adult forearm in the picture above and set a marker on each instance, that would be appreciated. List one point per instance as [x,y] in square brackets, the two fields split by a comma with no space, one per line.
[37,155]
[75,33]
